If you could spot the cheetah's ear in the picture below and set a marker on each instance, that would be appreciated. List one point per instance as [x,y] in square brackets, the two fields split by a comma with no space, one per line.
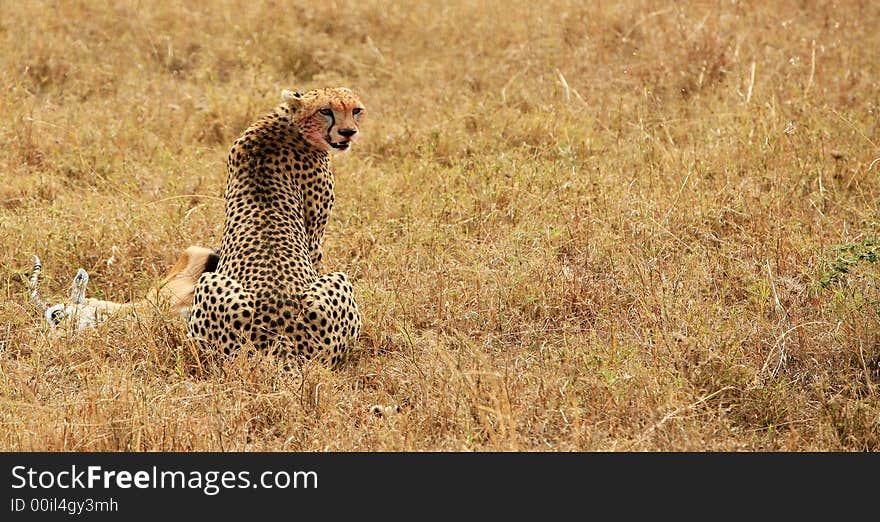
[292,98]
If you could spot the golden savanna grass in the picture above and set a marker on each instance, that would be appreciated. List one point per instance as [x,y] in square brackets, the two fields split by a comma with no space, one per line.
[570,225]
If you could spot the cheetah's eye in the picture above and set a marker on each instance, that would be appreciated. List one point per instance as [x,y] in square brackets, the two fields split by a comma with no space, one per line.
[357,111]
[326,112]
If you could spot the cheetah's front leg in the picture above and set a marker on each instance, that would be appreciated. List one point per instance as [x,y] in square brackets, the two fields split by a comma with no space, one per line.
[330,321]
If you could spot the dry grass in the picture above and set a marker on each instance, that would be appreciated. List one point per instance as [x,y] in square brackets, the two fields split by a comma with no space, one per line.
[570,226]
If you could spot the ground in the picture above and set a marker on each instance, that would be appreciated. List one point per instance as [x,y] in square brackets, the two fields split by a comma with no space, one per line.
[627,226]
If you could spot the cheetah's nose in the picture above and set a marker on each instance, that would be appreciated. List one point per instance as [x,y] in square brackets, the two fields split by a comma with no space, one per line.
[347,133]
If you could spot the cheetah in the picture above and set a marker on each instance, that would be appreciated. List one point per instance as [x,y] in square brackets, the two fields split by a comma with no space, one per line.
[266,288]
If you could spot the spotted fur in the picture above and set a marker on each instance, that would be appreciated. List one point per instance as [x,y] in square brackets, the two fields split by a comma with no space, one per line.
[279,193]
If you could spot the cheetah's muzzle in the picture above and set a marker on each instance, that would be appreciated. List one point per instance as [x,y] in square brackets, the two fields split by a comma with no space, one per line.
[342,145]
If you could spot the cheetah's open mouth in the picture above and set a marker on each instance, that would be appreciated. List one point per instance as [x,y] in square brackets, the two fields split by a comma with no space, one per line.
[339,145]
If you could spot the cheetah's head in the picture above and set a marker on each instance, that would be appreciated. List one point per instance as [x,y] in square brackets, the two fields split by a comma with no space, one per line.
[327,118]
